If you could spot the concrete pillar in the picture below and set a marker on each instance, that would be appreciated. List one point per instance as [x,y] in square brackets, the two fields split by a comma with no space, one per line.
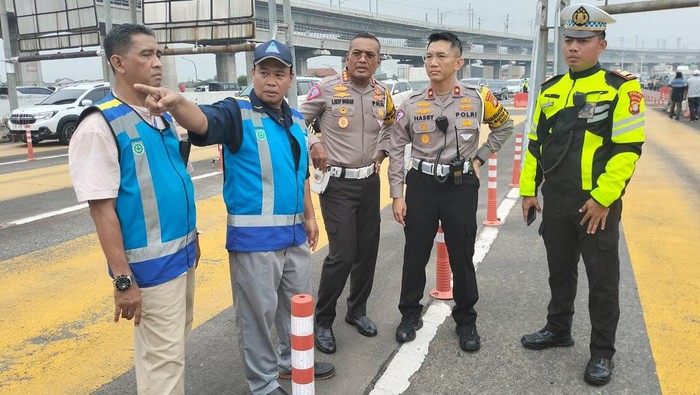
[301,67]
[28,73]
[249,65]
[462,71]
[169,72]
[226,67]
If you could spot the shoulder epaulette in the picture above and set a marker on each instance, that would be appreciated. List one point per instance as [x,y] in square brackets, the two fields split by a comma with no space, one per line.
[551,80]
[624,74]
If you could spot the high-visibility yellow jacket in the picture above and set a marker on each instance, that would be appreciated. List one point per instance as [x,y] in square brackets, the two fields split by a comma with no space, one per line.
[587,134]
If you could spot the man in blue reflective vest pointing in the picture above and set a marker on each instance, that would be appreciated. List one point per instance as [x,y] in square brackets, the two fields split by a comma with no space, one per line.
[271,222]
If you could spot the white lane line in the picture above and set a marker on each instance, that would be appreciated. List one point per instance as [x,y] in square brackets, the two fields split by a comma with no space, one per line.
[26,160]
[408,360]
[74,208]
[44,215]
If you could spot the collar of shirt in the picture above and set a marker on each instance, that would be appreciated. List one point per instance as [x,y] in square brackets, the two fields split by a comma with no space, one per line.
[154,120]
[585,73]
[259,105]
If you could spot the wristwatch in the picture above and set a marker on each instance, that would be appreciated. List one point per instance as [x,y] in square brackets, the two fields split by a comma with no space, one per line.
[122,282]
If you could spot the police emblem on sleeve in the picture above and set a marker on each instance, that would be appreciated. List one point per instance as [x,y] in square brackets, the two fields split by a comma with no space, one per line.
[399,115]
[313,93]
[138,148]
[635,101]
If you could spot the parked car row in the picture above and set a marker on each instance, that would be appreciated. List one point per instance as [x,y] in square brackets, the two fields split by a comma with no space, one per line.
[503,90]
[56,117]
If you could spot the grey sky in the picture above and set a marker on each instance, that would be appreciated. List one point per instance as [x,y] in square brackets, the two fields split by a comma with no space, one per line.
[641,29]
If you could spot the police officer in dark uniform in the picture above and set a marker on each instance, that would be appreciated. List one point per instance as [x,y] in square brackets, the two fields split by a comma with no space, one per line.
[586,137]
[354,112]
[442,121]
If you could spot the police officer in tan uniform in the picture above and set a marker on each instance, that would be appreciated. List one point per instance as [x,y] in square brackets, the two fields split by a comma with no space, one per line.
[353,110]
[442,122]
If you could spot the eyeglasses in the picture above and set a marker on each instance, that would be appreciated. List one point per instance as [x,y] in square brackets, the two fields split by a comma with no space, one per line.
[440,56]
[358,54]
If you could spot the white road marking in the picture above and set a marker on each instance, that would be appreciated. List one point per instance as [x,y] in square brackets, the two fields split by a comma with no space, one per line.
[408,360]
[38,158]
[74,208]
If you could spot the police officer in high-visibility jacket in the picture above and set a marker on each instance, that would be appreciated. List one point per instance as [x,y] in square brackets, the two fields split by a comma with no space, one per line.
[587,134]
[443,122]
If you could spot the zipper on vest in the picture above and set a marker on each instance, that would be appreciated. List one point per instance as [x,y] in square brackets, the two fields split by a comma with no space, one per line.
[187,198]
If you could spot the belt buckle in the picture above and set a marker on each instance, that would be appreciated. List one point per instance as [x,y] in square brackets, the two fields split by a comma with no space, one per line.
[430,167]
[364,172]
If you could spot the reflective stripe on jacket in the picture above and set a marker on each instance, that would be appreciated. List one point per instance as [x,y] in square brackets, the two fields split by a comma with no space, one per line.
[588,148]
[263,187]
[155,203]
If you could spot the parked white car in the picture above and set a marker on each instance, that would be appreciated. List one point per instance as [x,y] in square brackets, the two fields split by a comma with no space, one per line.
[400,90]
[56,117]
[514,86]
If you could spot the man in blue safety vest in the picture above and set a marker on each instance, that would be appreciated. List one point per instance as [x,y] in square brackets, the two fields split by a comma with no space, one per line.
[271,222]
[126,162]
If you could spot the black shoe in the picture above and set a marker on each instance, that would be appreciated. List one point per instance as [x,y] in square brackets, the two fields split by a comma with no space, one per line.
[406,331]
[322,371]
[364,325]
[546,339]
[278,391]
[468,337]
[324,339]
[598,371]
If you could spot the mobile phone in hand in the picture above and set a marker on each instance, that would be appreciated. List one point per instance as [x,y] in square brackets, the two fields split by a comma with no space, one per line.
[531,215]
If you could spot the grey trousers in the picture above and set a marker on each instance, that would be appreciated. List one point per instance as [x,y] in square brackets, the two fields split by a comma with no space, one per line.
[263,284]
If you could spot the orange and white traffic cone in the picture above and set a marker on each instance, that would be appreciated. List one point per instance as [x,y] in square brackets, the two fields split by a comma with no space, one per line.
[492,205]
[515,181]
[443,273]
[30,147]
[302,337]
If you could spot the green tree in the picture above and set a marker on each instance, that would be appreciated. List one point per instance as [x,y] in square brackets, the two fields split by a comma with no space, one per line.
[242,80]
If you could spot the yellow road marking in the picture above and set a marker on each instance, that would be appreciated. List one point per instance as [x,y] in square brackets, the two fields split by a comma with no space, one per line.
[12,149]
[661,228]
[61,329]
[46,179]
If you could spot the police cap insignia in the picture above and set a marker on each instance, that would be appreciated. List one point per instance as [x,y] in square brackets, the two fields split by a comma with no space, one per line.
[584,20]
[580,17]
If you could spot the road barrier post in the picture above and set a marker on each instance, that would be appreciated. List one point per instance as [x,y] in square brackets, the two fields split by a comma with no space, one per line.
[443,273]
[302,345]
[492,206]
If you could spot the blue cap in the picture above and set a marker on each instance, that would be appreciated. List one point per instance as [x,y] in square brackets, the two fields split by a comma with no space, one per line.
[273,49]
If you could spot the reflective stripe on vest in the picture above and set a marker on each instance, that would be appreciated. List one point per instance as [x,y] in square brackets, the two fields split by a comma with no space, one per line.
[267,217]
[158,238]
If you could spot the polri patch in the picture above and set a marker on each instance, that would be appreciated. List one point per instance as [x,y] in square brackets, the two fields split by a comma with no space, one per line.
[313,93]
[635,101]
[399,115]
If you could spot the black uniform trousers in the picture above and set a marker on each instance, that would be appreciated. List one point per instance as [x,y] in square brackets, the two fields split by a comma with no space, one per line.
[429,201]
[566,241]
[350,211]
